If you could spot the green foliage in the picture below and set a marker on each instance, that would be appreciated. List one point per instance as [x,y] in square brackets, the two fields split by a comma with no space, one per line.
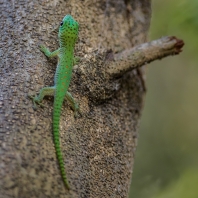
[184,187]
[167,148]
[178,17]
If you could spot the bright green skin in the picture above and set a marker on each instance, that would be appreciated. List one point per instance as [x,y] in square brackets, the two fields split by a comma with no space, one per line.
[68,34]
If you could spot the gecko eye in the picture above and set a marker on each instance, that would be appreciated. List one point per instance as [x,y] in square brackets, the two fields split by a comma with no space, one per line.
[61,23]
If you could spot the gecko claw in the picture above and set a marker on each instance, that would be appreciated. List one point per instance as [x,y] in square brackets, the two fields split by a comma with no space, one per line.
[42,48]
[77,112]
[35,102]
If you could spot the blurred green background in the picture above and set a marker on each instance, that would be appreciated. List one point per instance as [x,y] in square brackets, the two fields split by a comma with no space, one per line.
[166,163]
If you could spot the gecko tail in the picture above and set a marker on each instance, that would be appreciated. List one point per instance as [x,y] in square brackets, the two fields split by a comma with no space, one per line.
[56,129]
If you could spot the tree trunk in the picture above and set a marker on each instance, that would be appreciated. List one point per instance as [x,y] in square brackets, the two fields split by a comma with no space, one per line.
[98,146]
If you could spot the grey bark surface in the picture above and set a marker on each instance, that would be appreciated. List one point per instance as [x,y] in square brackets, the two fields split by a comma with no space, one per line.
[99,146]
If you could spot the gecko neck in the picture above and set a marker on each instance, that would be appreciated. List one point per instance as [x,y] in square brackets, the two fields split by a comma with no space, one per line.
[67,42]
[67,47]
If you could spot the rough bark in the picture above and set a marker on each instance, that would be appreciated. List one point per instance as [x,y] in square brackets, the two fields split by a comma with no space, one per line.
[99,146]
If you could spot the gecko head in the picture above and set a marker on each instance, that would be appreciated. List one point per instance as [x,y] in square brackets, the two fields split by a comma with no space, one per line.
[68,28]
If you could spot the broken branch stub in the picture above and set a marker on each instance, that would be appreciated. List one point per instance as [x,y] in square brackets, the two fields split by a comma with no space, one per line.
[142,54]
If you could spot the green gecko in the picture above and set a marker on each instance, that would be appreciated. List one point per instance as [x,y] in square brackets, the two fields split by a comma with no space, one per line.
[68,34]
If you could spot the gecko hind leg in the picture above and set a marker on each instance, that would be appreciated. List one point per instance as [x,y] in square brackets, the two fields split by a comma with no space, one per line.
[73,104]
[46,91]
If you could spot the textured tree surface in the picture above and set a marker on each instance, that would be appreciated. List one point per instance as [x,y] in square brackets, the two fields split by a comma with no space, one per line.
[99,146]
